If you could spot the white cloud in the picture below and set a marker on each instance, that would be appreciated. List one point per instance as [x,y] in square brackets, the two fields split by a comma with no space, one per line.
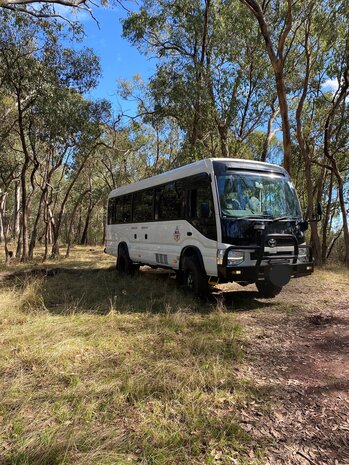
[331,85]
[73,14]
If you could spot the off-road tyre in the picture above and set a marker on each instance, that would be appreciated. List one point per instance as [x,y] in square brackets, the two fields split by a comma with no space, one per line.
[124,264]
[267,289]
[194,278]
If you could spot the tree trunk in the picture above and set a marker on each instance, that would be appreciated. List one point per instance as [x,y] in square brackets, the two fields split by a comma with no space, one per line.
[24,231]
[16,211]
[57,226]
[315,240]
[72,220]
[270,133]
[23,180]
[2,213]
[333,241]
[345,222]
[2,203]
[35,227]
[277,60]
[5,226]
[223,133]
[326,220]
[19,241]
[307,157]
[286,129]
[338,99]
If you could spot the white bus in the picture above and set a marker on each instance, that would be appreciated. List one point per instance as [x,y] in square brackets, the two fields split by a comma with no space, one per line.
[215,220]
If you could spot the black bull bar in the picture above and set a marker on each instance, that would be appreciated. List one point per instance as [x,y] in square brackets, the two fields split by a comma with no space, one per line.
[276,268]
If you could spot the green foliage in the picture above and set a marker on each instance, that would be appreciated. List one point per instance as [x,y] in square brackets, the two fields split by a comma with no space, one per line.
[212,89]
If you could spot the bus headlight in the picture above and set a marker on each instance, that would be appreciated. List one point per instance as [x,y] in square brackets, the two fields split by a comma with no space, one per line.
[303,254]
[235,257]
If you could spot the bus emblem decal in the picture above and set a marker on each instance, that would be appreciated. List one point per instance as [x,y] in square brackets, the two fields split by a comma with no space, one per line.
[176,234]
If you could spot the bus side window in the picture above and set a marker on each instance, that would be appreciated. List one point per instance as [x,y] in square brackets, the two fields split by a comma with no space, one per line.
[118,210]
[111,210]
[201,210]
[143,205]
[127,209]
[169,203]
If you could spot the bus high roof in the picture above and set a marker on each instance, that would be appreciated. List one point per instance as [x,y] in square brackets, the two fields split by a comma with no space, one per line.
[193,168]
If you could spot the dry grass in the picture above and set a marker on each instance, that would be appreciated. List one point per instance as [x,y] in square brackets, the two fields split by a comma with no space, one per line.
[99,369]
[96,369]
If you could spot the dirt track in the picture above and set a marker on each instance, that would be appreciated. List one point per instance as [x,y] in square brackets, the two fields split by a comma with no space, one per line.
[298,353]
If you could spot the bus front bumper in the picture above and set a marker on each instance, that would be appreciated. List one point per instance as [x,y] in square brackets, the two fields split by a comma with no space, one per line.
[251,274]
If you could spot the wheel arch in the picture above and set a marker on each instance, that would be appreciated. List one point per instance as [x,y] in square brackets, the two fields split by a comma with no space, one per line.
[122,245]
[191,251]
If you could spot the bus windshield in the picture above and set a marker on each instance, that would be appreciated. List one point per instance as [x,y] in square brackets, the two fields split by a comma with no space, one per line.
[257,195]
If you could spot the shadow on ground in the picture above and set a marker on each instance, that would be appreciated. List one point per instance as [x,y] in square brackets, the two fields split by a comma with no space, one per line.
[66,291]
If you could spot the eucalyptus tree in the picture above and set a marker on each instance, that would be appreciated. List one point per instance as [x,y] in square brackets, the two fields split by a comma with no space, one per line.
[92,116]
[50,9]
[46,82]
[320,57]
[211,75]
[278,28]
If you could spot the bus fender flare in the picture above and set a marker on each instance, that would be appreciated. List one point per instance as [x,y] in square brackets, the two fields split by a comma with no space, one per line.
[193,252]
[123,246]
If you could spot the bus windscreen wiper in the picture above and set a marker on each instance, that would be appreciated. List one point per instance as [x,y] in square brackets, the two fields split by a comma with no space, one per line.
[286,217]
[252,217]
[264,217]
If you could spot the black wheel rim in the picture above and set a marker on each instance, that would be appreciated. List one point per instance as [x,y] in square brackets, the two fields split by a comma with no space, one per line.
[190,281]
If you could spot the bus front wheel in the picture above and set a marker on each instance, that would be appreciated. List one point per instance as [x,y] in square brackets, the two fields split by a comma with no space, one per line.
[194,279]
[267,289]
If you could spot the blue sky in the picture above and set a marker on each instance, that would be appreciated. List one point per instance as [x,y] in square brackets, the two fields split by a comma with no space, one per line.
[119,59]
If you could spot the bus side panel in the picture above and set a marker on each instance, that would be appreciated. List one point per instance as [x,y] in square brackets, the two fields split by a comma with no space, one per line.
[168,239]
[161,243]
[115,234]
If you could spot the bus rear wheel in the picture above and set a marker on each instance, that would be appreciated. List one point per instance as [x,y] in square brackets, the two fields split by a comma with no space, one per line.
[194,279]
[267,289]
[124,264]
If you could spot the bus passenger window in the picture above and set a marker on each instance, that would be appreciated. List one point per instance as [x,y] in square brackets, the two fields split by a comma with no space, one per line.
[169,202]
[143,205]
[111,210]
[127,209]
[201,211]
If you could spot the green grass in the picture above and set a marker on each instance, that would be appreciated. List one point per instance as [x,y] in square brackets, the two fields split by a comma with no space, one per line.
[98,369]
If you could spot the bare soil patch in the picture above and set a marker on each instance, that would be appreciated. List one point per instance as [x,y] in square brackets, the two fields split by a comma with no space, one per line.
[298,354]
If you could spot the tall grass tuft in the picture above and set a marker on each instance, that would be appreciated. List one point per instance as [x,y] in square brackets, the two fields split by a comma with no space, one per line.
[31,299]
